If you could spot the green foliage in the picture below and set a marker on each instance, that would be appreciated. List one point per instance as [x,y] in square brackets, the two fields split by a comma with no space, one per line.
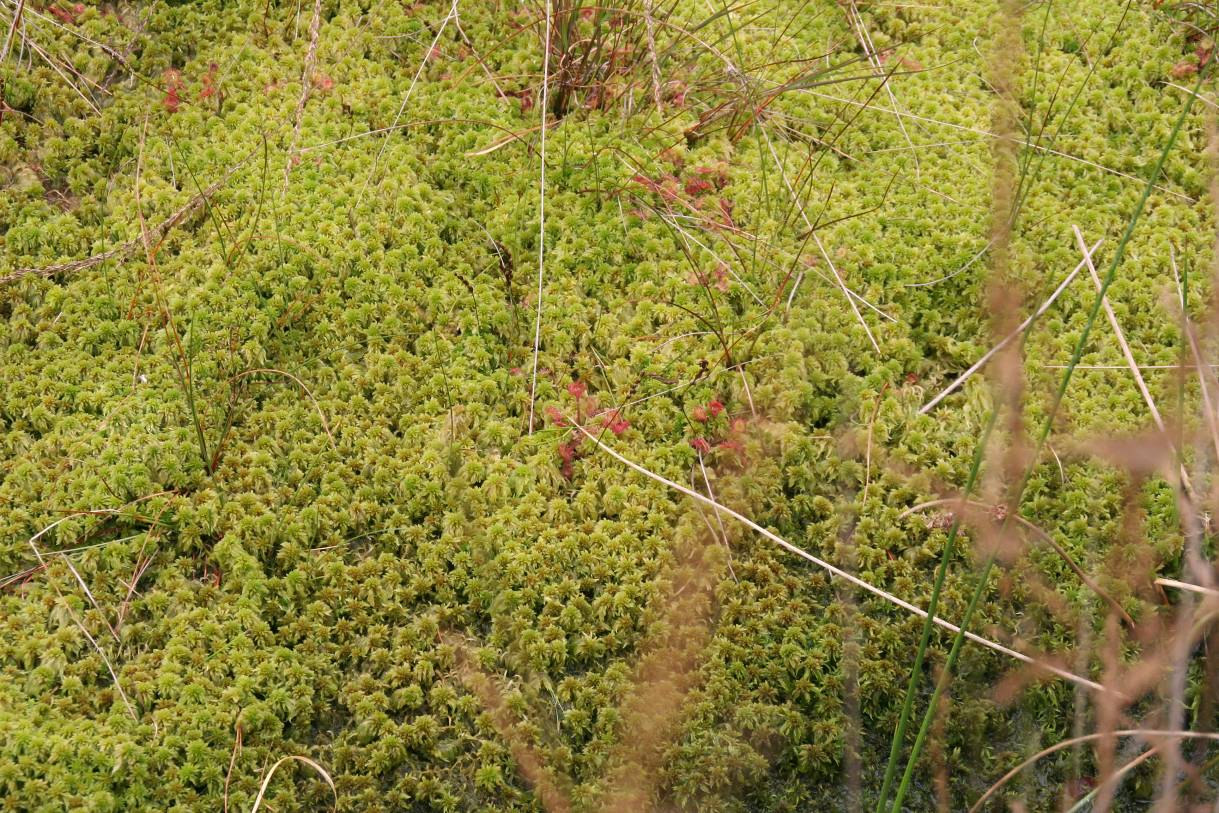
[297,590]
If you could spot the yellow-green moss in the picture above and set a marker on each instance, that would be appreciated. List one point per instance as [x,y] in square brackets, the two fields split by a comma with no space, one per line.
[299,590]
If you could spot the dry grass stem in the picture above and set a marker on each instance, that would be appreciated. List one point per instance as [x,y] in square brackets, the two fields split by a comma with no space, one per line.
[836,571]
[989,354]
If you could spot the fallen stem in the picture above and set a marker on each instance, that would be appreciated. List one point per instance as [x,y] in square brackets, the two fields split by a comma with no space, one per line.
[837,571]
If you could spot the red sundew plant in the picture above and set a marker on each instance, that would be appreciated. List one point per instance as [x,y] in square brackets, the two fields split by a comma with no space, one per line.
[209,82]
[67,15]
[569,449]
[733,444]
[1186,68]
[698,186]
[673,156]
[705,180]
[665,188]
[731,438]
[173,84]
[614,422]
[716,435]
[569,453]
[1183,69]
[585,404]
[718,174]
[675,93]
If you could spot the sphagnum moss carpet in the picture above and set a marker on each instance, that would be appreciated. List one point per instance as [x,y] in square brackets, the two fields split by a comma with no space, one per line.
[291,459]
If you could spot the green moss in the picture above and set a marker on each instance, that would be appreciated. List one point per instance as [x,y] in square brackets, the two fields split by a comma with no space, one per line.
[299,590]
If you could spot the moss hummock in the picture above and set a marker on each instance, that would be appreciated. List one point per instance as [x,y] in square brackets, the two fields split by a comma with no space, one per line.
[284,448]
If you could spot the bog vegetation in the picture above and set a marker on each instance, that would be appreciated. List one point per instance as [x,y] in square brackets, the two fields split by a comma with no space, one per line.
[557,406]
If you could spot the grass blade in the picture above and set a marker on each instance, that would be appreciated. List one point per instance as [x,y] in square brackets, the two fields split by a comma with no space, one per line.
[1081,343]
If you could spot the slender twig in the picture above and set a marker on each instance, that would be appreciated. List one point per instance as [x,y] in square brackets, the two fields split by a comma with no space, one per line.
[1058,746]
[262,791]
[89,593]
[510,137]
[1038,147]
[1040,534]
[427,55]
[1195,588]
[109,666]
[1006,340]
[941,574]
[858,25]
[141,565]
[182,363]
[1111,780]
[820,247]
[650,23]
[106,660]
[1126,366]
[723,531]
[947,277]
[74,31]
[478,57]
[1209,411]
[47,58]
[321,415]
[537,324]
[154,235]
[232,761]
[1121,337]
[12,29]
[306,86]
[867,478]
[1129,356]
[839,572]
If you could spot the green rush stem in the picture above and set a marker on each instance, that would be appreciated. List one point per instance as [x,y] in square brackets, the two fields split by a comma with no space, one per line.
[1184,281]
[1027,176]
[1045,22]
[1076,355]
[1028,142]
[188,385]
[916,671]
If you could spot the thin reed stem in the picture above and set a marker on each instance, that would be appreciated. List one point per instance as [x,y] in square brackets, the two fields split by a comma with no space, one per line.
[1047,426]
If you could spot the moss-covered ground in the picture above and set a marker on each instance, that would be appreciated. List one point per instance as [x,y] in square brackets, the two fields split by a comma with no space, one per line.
[283,443]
